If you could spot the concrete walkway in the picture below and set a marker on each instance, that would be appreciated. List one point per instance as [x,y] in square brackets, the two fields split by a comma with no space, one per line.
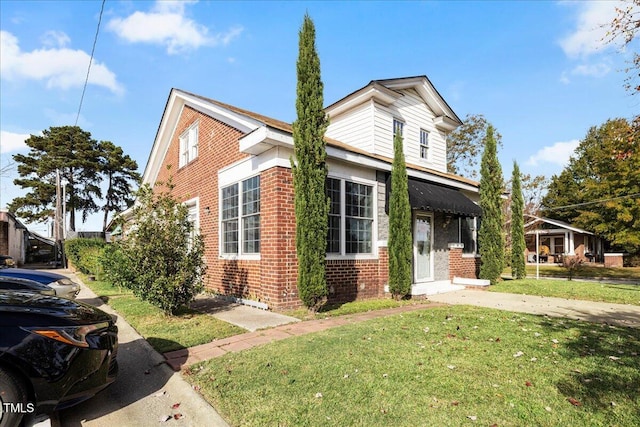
[599,312]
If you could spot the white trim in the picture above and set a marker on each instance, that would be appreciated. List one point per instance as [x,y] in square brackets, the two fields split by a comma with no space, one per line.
[240,255]
[414,236]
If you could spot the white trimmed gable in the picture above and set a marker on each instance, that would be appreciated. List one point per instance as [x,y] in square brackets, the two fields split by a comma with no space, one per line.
[364,119]
[176,103]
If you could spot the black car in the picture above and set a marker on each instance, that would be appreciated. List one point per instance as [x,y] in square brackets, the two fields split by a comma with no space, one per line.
[20,284]
[63,286]
[54,353]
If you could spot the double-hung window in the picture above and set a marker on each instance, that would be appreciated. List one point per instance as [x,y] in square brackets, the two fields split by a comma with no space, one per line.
[350,217]
[424,144]
[398,128]
[468,234]
[189,145]
[240,218]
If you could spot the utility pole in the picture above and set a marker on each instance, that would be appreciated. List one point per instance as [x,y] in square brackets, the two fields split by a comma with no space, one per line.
[58,228]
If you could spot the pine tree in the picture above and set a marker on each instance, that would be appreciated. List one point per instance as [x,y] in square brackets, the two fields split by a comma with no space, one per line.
[310,172]
[490,236]
[518,265]
[400,244]
[75,154]
[121,172]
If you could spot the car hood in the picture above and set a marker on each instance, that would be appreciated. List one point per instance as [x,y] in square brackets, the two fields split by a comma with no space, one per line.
[49,307]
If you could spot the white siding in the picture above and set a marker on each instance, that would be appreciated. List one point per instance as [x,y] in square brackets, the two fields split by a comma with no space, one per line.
[369,127]
[354,127]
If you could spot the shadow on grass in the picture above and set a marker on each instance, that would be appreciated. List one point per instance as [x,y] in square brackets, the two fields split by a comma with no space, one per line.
[614,373]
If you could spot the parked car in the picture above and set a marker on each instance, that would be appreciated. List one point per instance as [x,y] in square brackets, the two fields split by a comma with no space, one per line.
[63,286]
[20,284]
[6,261]
[54,353]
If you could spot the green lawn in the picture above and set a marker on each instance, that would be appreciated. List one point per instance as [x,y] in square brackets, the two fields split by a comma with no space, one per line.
[164,333]
[589,291]
[444,366]
[589,271]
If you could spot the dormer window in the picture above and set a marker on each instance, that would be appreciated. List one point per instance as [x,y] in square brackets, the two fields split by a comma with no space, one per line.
[189,145]
[424,144]
[398,127]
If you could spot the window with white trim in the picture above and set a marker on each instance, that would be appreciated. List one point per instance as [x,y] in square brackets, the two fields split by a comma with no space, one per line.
[189,145]
[193,217]
[468,234]
[350,228]
[398,127]
[240,217]
[424,144]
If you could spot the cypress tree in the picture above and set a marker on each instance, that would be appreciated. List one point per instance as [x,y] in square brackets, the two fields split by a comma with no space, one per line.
[400,244]
[310,172]
[518,265]
[490,236]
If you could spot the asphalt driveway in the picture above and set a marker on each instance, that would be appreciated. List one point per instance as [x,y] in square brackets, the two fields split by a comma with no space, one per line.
[145,392]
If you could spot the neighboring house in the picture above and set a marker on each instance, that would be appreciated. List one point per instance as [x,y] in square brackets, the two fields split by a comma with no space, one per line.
[557,239]
[13,237]
[232,168]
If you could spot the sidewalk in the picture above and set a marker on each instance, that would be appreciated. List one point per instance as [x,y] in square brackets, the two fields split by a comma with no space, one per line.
[598,312]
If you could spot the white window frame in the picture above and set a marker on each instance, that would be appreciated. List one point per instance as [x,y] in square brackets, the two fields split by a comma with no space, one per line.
[241,216]
[189,145]
[193,206]
[424,144]
[343,220]
[397,124]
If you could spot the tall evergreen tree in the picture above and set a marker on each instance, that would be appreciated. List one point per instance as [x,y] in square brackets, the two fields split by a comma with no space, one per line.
[490,236]
[518,244]
[310,172]
[121,173]
[75,154]
[400,243]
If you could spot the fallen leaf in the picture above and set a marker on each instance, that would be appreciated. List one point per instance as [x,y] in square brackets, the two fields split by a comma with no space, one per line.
[497,339]
[472,417]
[426,330]
[175,405]
[196,387]
[346,376]
[528,384]
[613,404]
[177,416]
[318,395]
[385,375]
[518,354]
[160,393]
[384,411]
[577,371]
[165,418]
[533,359]
[555,341]
[455,403]
[451,367]
[574,402]
[547,408]
[614,358]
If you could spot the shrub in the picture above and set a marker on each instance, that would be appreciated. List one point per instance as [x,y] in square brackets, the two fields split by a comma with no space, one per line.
[161,257]
[572,264]
[85,254]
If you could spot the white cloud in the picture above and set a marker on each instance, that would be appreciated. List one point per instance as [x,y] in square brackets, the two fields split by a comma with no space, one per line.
[591,28]
[55,39]
[557,153]
[10,142]
[58,67]
[599,69]
[166,24]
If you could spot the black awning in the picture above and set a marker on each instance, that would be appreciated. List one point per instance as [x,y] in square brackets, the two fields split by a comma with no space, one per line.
[432,197]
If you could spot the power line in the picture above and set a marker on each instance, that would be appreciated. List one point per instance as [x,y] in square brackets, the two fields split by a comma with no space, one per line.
[93,49]
[592,203]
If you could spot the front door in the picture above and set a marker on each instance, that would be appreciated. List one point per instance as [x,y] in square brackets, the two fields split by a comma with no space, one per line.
[422,247]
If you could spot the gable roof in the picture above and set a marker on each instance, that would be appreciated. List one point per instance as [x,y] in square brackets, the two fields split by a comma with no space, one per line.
[388,90]
[262,132]
[554,222]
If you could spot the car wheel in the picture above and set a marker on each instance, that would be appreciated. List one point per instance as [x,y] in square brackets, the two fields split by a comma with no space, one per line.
[11,392]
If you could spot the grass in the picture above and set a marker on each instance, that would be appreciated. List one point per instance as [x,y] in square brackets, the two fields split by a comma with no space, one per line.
[444,366]
[586,271]
[164,333]
[333,310]
[588,291]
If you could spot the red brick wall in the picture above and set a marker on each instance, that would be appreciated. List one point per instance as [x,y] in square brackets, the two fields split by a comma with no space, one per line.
[460,266]
[273,278]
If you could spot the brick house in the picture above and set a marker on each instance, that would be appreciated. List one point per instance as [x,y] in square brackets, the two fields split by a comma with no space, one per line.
[231,167]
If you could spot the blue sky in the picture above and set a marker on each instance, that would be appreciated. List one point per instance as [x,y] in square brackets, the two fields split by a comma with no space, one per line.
[537,70]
